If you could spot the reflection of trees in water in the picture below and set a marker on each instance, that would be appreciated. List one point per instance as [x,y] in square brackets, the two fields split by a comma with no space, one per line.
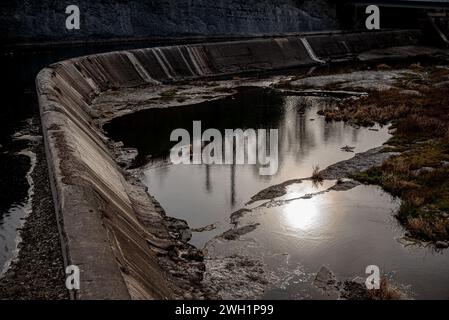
[207,179]
[355,135]
[296,136]
[256,108]
[149,130]
[334,132]
[232,185]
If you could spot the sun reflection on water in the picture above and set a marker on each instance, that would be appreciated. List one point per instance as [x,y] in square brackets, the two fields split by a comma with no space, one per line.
[301,214]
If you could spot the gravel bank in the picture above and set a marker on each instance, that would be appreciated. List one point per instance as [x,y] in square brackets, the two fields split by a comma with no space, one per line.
[38,273]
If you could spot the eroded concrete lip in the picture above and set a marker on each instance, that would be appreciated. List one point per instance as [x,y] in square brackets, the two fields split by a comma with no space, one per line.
[110,227]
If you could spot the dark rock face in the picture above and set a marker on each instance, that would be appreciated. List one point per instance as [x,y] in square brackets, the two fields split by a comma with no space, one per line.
[29,20]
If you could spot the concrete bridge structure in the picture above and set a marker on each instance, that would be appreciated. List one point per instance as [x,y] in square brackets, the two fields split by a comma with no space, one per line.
[432,16]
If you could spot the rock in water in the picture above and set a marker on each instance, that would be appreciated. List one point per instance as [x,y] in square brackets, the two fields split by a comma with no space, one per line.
[442,244]
[325,279]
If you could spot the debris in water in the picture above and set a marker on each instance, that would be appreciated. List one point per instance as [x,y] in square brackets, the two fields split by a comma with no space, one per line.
[235,233]
[325,280]
[348,149]
[209,227]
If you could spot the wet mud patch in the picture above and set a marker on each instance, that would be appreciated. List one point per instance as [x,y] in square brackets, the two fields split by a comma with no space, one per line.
[360,80]
[248,274]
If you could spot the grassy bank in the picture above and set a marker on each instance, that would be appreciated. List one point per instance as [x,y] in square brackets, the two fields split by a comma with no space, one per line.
[418,108]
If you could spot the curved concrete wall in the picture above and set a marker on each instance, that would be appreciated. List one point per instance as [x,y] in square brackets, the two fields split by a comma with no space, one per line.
[341,45]
[109,226]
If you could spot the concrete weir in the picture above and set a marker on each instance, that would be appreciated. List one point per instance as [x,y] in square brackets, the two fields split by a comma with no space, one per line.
[110,227]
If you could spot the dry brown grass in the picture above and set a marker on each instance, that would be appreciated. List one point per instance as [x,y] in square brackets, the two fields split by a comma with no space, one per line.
[424,195]
[422,135]
[426,114]
[385,292]
[431,228]
[446,137]
[439,75]
[380,107]
[383,66]
[416,66]
[317,176]
[422,125]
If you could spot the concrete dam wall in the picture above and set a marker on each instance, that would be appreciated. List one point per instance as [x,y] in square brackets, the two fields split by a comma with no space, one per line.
[34,21]
[110,227]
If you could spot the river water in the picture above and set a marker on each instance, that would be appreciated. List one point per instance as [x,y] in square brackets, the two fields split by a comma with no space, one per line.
[207,194]
[296,235]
